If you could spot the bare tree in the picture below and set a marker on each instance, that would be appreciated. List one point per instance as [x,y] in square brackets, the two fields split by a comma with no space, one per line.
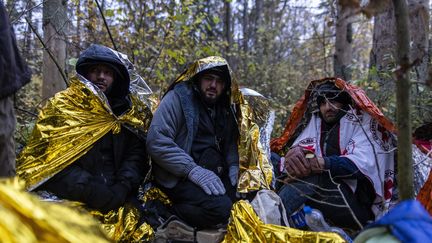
[227,29]
[28,33]
[343,44]
[383,54]
[54,27]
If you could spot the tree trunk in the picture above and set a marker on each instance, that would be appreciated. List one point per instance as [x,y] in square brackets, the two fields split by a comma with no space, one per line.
[383,53]
[257,37]
[91,24]
[245,27]
[419,24]
[227,29]
[343,43]
[78,36]
[246,37]
[28,33]
[405,168]
[54,27]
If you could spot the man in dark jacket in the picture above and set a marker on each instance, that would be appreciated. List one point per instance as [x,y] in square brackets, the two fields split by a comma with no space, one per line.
[13,75]
[105,171]
[193,141]
[340,156]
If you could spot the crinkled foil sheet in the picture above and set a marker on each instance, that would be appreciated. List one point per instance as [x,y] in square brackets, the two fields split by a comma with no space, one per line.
[123,225]
[155,193]
[263,116]
[245,226]
[70,123]
[255,169]
[68,126]
[27,219]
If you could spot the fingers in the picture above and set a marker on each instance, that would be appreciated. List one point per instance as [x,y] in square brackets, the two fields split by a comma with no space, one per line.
[297,169]
[296,163]
[302,164]
[219,187]
[291,168]
[207,189]
[233,181]
[214,187]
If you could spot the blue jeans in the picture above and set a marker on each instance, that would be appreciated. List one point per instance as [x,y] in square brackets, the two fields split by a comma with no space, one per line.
[318,191]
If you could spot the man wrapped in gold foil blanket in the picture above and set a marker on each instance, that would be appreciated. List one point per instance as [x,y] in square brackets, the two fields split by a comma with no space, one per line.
[89,142]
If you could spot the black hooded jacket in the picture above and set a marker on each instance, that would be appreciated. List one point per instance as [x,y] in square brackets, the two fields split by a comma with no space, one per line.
[112,170]
[118,96]
[14,73]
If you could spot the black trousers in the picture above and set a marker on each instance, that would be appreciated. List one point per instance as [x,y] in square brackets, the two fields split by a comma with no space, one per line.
[198,209]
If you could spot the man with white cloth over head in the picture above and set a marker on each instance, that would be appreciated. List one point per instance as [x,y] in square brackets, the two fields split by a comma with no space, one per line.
[338,152]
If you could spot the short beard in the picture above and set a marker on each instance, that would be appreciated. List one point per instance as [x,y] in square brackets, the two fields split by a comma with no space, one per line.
[210,101]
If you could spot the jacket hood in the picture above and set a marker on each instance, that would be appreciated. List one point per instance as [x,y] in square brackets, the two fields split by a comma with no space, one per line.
[203,65]
[96,54]
[300,111]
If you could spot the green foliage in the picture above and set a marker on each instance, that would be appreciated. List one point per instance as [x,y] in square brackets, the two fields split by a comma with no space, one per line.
[27,101]
[275,48]
[385,97]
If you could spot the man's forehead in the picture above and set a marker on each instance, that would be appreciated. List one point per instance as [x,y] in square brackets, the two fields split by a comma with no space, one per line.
[212,75]
[101,65]
[330,94]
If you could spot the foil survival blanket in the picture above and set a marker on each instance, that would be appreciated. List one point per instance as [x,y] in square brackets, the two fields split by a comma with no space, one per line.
[67,128]
[245,226]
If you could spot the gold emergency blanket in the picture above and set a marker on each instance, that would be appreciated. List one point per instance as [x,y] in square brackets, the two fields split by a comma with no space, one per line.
[155,193]
[255,169]
[68,126]
[245,226]
[122,225]
[70,123]
[26,219]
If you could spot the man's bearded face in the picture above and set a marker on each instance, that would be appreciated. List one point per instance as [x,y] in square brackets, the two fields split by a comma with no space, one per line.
[211,87]
[102,76]
[329,110]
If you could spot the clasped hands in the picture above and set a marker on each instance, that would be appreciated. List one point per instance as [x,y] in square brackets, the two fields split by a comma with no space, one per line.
[300,162]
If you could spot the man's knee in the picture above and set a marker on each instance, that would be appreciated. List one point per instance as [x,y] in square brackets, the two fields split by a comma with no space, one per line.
[219,208]
[295,193]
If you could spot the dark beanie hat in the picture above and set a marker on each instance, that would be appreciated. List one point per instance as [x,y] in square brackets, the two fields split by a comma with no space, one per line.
[221,71]
[329,91]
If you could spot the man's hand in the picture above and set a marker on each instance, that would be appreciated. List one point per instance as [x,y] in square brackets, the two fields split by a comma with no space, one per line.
[296,163]
[233,174]
[316,163]
[207,180]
